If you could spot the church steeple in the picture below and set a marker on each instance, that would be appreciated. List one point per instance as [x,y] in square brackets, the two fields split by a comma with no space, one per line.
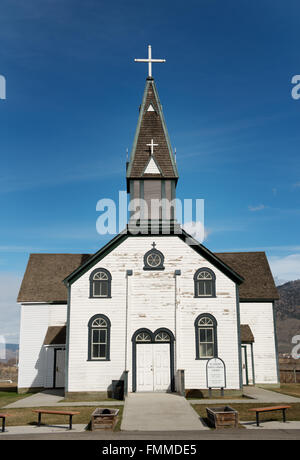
[146,161]
[151,172]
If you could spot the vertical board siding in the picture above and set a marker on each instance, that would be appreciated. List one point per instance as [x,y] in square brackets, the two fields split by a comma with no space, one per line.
[259,316]
[151,304]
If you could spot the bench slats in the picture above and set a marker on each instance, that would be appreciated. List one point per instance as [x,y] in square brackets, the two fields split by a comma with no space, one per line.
[55,412]
[266,409]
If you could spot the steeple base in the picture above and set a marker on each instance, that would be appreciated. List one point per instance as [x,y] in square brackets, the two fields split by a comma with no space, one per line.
[153,227]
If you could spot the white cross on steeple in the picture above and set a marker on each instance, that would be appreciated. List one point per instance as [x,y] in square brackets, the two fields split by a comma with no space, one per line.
[150,60]
[152,145]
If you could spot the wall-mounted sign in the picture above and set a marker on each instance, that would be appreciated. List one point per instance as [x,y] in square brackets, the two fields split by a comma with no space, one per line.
[215,373]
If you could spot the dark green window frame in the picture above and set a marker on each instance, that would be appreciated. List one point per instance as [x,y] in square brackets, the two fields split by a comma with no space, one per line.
[212,327]
[106,279]
[92,327]
[208,284]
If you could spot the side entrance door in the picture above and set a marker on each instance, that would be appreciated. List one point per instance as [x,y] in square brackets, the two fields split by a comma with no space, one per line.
[59,367]
[153,367]
[245,365]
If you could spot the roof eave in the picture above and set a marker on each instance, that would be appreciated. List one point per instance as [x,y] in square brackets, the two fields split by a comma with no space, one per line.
[70,279]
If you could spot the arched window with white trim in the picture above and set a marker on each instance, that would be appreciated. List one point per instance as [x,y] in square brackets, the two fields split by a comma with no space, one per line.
[206,336]
[205,283]
[100,283]
[99,338]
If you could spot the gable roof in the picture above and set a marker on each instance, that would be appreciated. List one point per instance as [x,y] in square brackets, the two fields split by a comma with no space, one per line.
[46,274]
[151,125]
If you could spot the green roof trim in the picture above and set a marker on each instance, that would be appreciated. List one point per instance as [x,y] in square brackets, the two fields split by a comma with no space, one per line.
[110,246]
[117,240]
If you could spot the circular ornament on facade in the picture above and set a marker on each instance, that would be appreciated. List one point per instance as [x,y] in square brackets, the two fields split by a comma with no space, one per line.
[154,259]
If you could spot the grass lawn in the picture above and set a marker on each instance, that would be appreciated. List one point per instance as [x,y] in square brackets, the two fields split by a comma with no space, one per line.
[25,416]
[292,414]
[9,394]
[290,389]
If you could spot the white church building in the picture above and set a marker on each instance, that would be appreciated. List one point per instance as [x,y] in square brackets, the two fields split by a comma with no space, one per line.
[149,309]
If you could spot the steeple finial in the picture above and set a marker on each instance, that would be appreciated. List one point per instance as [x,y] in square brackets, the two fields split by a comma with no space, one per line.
[150,60]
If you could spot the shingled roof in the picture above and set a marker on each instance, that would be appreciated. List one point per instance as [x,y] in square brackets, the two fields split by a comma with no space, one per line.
[151,125]
[55,335]
[246,334]
[44,275]
[43,279]
[254,268]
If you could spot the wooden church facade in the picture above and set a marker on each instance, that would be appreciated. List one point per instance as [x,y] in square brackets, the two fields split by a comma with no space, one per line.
[150,309]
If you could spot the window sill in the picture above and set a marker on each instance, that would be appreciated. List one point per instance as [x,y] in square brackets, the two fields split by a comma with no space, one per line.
[98,360]
[204,359]
[205,296]
[108,297]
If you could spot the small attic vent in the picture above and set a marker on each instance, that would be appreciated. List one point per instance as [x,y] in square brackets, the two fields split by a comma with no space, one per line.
[150,108]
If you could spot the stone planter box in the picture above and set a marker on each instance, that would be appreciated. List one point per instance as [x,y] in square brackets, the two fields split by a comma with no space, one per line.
[104,419]
[222,416]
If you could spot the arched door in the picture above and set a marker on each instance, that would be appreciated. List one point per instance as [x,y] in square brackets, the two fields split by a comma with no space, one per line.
[153,362]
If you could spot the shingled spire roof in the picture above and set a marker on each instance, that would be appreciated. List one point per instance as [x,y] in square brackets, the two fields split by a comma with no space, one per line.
[151,125]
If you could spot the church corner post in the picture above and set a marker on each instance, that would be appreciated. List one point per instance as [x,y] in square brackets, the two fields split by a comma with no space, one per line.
[238,316]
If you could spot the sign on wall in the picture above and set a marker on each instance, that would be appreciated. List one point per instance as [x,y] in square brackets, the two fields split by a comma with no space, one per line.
[215,373]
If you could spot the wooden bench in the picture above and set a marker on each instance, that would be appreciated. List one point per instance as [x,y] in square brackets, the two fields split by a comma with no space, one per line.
[269,409]
[3,416]
[57,412]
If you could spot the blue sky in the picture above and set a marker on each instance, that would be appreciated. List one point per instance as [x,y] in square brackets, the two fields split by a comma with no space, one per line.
[73,92]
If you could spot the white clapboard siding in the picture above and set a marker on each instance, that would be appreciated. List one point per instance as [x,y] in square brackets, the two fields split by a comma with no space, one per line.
[35,365]
[259,316]
[151,303]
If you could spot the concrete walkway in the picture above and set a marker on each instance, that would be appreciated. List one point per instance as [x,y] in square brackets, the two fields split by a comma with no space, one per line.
[159,412]
[272,425]
[255,395]
[262,395]
[53,398]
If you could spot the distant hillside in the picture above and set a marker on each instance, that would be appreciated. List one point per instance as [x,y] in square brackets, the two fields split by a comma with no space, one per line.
[288,314]
[12,351]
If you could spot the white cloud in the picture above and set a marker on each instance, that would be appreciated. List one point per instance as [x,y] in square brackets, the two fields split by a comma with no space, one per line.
[286,268]
[9,309]
[297,185]
[260,207]
[196,230]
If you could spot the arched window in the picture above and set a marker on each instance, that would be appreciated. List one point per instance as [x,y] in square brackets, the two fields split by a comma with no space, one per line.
[99,338]
[162,337]
[100,283]
[143,337]
[205,283]
[206,336]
